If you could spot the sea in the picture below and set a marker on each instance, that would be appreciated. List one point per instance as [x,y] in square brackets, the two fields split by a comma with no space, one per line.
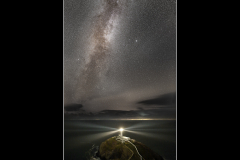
[82,138]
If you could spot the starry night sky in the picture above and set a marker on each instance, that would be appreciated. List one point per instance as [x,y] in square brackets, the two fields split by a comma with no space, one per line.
[120,59]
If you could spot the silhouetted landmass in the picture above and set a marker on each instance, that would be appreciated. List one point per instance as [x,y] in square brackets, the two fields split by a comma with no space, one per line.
[162,113]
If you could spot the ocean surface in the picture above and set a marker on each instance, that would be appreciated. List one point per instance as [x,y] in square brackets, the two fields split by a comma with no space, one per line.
[83,137]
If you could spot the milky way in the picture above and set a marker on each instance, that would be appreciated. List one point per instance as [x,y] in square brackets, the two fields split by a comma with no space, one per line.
[118,53]
[100,42]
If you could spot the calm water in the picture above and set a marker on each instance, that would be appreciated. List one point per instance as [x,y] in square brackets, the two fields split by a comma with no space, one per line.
[81,135]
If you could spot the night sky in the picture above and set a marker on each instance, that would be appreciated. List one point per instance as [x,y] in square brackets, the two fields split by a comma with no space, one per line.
[120,59]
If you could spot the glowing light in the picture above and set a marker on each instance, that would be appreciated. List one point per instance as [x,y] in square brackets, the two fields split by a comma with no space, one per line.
[121,130]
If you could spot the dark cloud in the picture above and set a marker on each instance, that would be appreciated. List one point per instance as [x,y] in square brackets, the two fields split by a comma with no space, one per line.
[140,108]
[118,113]
[166,99]
[73,107]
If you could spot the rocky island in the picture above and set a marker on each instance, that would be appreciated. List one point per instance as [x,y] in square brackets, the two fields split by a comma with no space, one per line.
[113,149]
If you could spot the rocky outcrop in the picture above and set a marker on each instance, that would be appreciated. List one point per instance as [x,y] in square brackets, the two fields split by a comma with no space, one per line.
[111,149]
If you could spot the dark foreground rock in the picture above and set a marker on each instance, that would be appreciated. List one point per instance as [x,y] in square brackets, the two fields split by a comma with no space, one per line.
[112,149]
